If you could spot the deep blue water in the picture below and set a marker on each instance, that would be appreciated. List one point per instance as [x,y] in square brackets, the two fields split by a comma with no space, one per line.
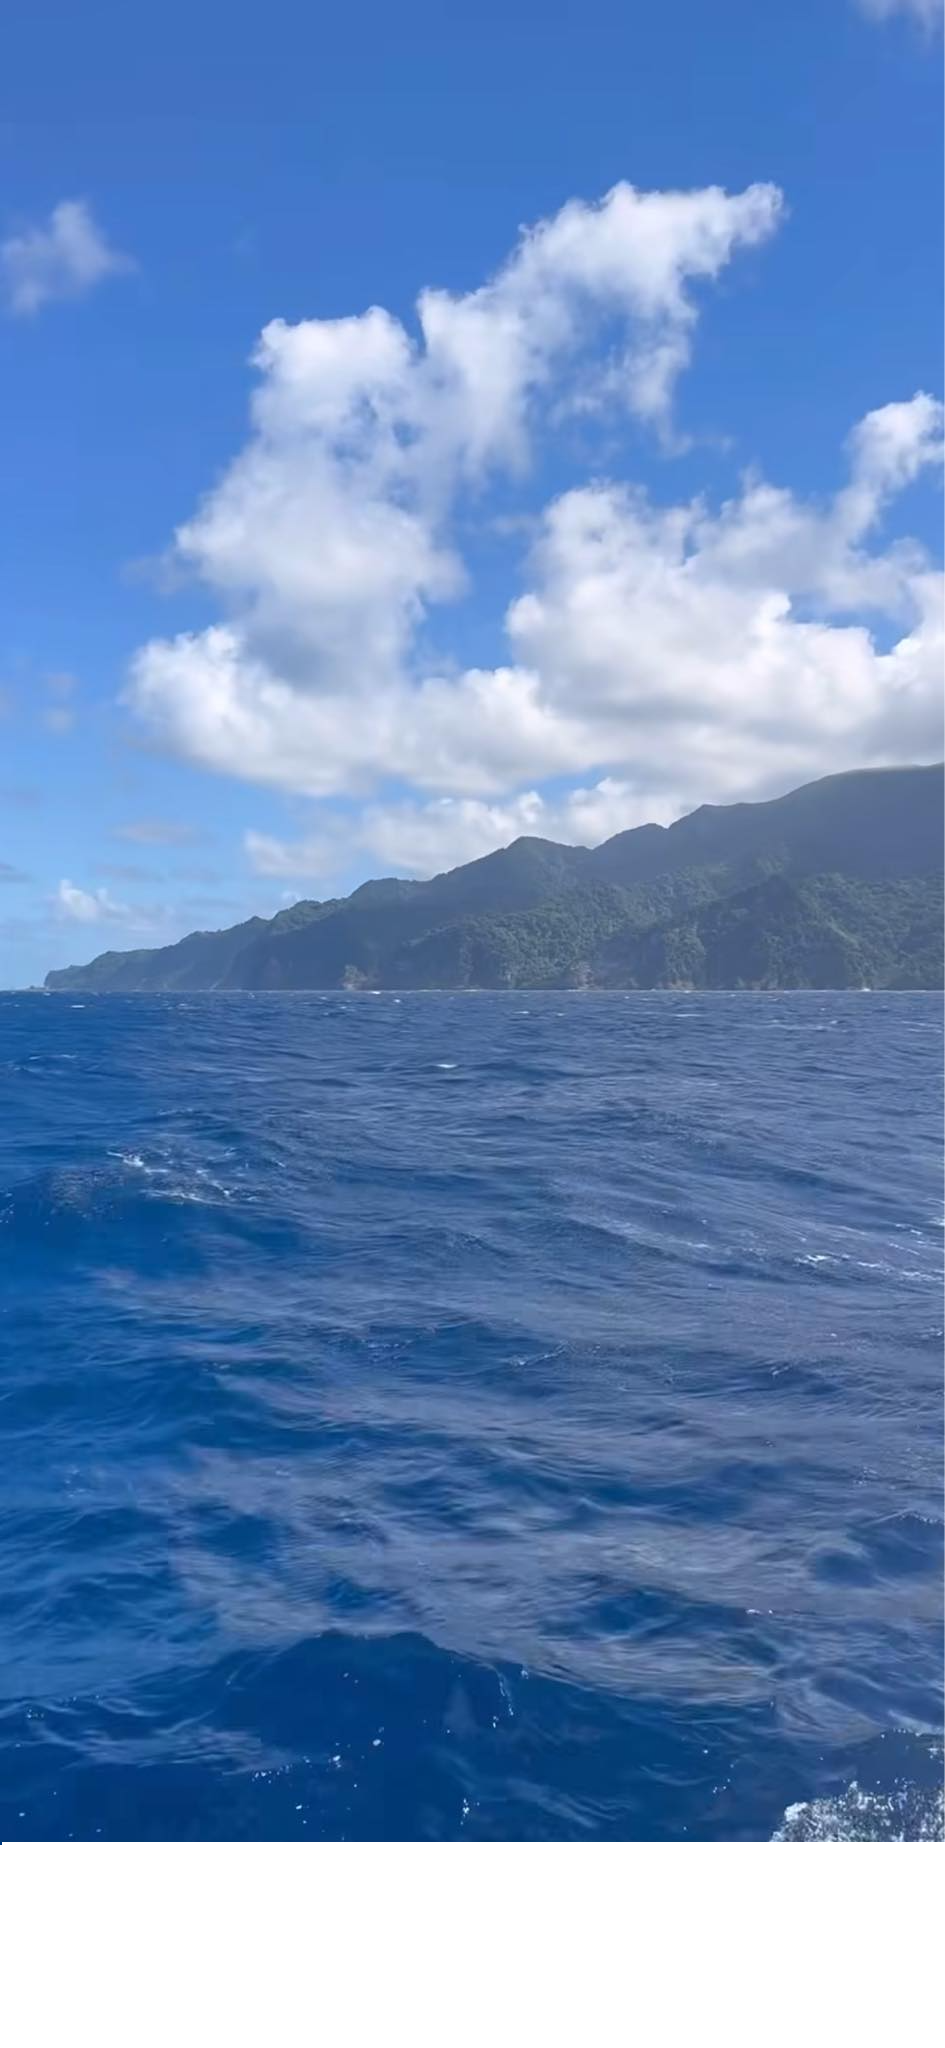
[476,1416]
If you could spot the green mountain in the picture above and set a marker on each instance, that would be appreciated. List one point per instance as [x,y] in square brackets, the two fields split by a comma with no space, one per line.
[837,885]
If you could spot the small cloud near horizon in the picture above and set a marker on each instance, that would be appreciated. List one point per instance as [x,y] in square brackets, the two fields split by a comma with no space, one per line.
[87,906]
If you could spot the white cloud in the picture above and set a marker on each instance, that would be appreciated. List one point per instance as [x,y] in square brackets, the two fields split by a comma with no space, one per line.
[420,839]
[728,644]
[423,838]
[927,12]
[329,539]
[671,654]
[660,655]
[87,906]
[64,258]
[313,857]
[154,921]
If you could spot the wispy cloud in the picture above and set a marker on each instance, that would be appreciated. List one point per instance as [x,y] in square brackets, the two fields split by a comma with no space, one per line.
[157,832]
[62,258]
[928,13]
[127,871]
[198,874]
[22,797]
[59,719]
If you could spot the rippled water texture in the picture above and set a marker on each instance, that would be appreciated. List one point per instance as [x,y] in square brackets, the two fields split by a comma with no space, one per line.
[476,1416]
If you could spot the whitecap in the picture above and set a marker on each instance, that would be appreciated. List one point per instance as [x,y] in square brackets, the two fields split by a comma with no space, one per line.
[446,1066]
[907,1814]
[135,1161]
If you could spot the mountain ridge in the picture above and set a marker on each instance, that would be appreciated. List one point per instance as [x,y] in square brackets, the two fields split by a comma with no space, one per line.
[840,878]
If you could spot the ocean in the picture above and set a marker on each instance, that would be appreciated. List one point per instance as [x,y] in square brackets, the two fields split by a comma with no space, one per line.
[486,1417]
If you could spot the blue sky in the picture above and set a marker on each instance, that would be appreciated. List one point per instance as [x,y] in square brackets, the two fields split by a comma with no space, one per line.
[571,530]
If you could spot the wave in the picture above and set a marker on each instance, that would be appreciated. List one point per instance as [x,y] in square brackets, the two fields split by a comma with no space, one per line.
[400,1459]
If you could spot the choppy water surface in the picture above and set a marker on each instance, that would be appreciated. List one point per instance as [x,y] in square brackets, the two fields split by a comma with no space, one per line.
[476,1416]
